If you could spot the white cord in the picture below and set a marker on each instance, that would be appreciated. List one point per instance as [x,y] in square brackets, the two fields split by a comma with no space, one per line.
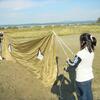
[62,43]
[66,45]
[63,48]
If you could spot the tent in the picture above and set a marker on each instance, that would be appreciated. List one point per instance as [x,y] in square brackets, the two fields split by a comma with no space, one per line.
[44,55]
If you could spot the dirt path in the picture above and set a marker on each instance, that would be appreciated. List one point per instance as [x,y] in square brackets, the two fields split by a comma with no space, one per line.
[17,83]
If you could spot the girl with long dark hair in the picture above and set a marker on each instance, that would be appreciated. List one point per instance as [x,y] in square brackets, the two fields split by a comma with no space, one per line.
[82,64]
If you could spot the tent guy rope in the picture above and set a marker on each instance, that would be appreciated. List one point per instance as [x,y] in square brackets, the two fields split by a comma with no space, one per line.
[62,43]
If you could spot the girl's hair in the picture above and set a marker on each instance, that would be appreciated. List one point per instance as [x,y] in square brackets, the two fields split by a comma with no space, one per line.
[88,40]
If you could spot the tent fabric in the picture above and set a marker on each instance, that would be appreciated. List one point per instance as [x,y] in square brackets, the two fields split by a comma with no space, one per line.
[25,51]
[26,54]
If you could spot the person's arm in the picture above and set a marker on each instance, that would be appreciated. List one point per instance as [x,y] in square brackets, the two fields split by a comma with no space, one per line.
[73,64]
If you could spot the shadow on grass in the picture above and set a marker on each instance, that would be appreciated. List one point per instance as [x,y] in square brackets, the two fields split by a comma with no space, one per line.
[64,87]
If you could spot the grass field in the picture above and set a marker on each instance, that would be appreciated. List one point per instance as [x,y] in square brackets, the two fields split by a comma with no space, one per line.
[61,30]
[18,83]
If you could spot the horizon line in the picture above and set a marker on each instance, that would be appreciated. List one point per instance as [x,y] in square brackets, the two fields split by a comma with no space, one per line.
[56,22]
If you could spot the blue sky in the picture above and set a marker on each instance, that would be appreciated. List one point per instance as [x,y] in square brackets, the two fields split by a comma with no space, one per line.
[44,11]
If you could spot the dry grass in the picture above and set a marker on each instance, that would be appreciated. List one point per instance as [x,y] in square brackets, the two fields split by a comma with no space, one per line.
[18,83]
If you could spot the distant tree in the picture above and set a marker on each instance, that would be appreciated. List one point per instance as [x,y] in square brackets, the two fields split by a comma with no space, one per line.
[98,20]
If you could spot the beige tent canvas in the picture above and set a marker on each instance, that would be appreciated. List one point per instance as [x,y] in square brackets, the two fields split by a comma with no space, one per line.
[44,55]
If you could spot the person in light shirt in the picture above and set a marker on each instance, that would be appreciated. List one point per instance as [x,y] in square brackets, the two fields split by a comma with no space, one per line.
[82,64]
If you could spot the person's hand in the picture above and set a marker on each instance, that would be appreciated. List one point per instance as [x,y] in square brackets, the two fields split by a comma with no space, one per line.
[65,69]
[67,60]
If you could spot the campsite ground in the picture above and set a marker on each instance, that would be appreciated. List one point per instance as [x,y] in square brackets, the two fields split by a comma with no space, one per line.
[18,83]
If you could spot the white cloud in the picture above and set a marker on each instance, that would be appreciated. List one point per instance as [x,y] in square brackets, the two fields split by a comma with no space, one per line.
[15,4]
[23,4]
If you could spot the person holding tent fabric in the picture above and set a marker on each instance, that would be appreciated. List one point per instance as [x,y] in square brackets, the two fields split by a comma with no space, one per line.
[82,64]
[1,37]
